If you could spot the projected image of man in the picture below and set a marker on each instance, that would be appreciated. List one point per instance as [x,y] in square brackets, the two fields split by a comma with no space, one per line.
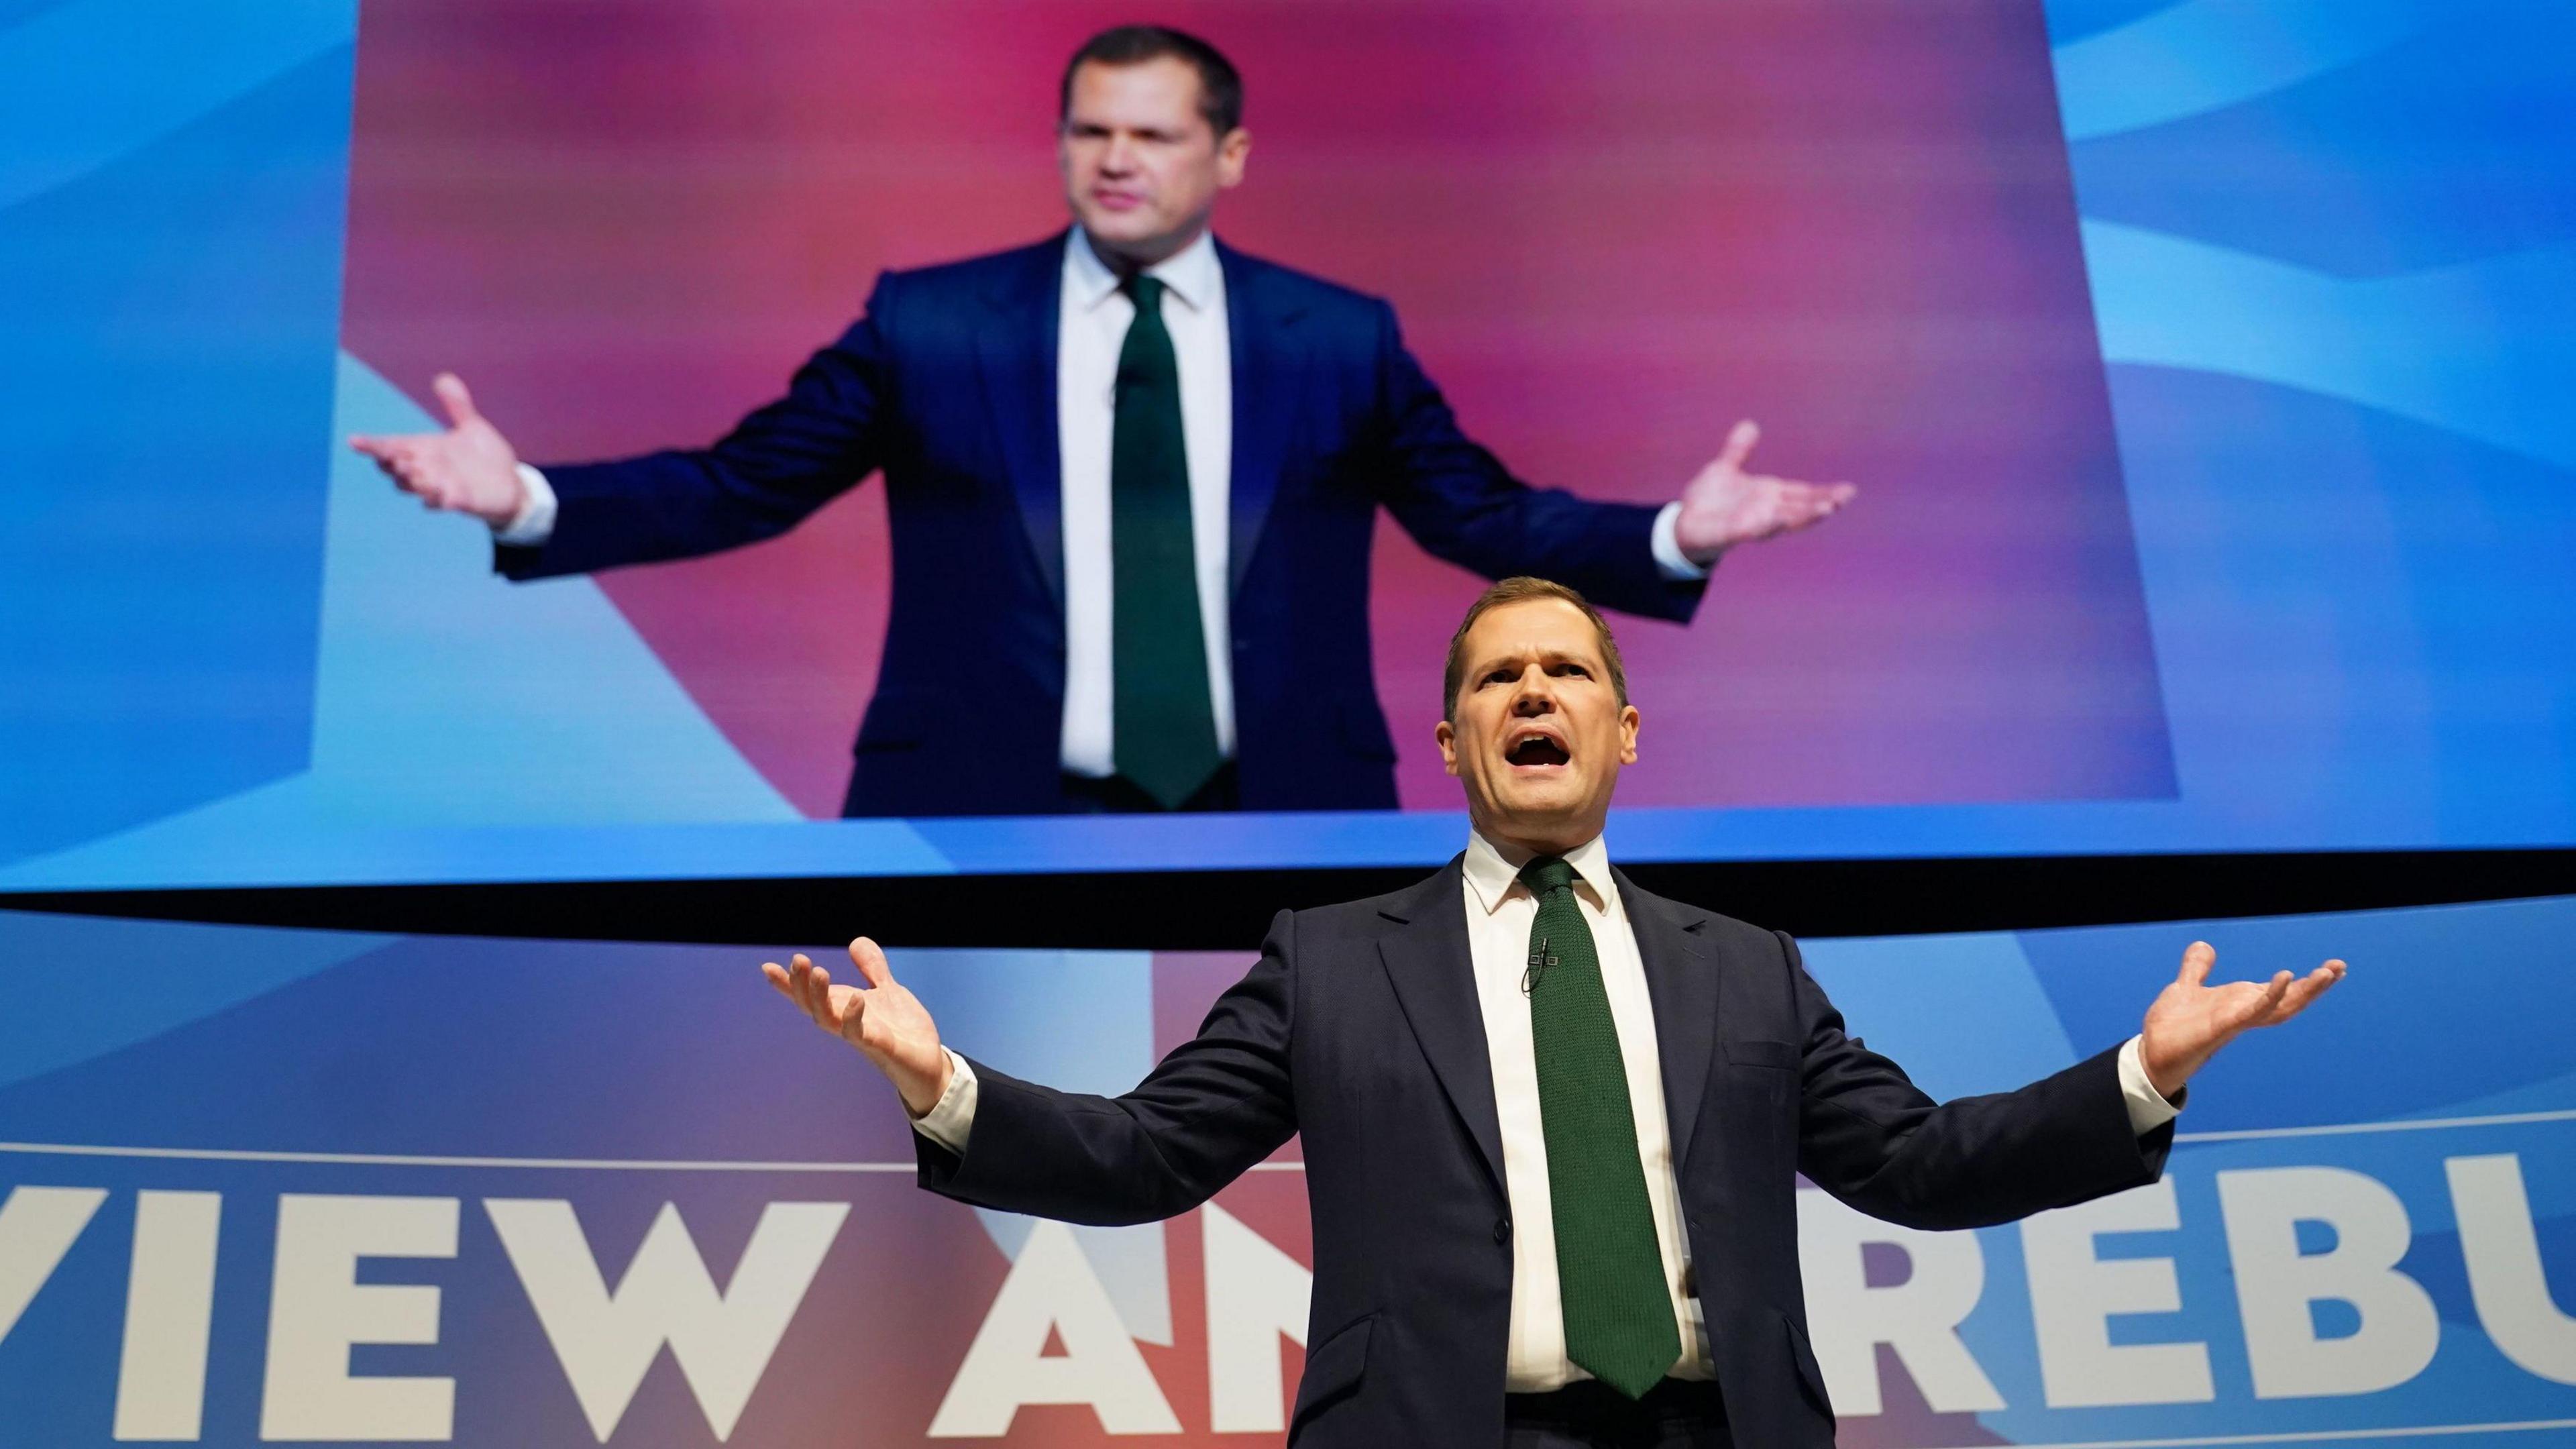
[1132,477]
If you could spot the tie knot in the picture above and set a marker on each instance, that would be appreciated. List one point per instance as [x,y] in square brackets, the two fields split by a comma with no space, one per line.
[1146,291]
[1547,873]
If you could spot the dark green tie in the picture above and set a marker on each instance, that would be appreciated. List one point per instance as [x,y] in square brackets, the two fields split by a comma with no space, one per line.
[1164,726]
[1609,1270]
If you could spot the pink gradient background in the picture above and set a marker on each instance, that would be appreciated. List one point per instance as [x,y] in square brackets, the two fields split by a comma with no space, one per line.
[1610,229]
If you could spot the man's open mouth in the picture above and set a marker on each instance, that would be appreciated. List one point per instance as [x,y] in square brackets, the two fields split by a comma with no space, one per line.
[1537,749]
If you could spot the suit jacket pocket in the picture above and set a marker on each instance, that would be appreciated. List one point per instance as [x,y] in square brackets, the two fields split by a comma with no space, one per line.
[1745,1053]
[1334,1369]
[900,719]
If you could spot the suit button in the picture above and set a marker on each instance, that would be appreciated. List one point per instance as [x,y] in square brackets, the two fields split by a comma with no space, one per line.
[1503,1230]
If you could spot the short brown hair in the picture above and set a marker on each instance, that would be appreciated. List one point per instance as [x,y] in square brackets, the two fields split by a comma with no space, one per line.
[1514,591]
[1220,84]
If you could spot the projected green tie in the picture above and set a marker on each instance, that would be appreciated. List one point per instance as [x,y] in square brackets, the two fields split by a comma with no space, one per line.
[1610,1274]
[1164,725]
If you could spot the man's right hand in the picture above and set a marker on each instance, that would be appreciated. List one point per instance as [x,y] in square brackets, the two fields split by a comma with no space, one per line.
[883,1020]
[470,468]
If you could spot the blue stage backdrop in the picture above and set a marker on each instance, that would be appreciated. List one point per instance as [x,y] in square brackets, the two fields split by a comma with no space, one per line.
[2204,364]
[269,1185]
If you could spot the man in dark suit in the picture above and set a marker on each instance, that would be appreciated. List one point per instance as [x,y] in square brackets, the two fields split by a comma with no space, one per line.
[1551,1123]
[1133,476]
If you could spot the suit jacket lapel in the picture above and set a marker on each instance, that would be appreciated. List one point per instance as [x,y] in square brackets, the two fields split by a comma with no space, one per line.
[1427,958]
[1681,980]
[1268,364]
[1018,355]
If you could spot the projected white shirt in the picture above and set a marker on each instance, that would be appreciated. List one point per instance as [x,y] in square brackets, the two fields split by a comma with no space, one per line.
[1092,321]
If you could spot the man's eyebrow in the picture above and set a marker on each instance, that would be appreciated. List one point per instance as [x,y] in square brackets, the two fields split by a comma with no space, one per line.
[1543,656]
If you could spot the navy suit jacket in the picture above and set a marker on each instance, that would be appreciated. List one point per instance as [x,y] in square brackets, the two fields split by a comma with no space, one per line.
[1359,1030]
[948,385]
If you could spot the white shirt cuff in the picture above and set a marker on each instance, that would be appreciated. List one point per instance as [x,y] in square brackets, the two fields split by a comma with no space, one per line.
[2148,1109]
[1667,546]
[953,1115]
[534,523]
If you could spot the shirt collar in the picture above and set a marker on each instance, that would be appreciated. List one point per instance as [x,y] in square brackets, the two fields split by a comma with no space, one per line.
[1193,273]
[1492,871]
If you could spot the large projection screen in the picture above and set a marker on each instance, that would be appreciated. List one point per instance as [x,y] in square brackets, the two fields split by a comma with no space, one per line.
[2201,366]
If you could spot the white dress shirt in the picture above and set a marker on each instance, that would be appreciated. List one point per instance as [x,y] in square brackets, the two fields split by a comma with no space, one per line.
[1092,319]
[1500,911]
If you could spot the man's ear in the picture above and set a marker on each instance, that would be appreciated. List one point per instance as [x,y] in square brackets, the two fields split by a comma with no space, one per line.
[1231,149]
[1447,737]
[1628,718]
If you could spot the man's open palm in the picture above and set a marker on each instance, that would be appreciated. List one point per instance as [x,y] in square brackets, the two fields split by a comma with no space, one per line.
[2190,1019]
[1728,503]
[470,468]
[883,1019]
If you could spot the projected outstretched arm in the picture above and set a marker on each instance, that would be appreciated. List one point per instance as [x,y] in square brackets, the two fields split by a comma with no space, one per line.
[886,1022]
[2190,1019]
[1725,504]
[469,468]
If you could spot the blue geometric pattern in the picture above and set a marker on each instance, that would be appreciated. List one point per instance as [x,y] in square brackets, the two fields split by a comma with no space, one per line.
[172,189]
[2332,245]
[84,85]
[2206,55]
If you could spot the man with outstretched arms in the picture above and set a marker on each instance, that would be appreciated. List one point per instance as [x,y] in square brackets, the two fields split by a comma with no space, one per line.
[1552,1123]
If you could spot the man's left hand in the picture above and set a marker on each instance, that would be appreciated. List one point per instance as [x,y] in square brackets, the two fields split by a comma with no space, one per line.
[1727,505]
[2191,1019]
